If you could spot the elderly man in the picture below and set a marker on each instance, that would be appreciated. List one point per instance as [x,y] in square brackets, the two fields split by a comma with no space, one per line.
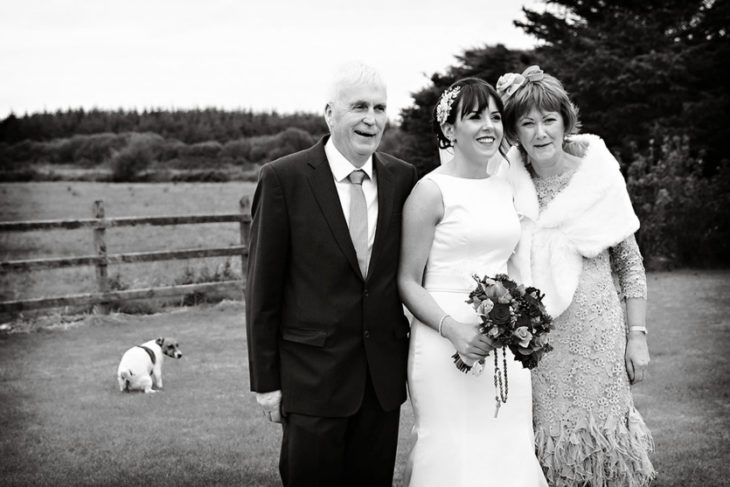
[327,337]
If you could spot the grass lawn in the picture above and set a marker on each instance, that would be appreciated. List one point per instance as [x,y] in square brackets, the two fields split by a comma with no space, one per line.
[64,422]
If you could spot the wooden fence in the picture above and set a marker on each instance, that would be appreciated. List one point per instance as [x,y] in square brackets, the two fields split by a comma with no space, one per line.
[101,260]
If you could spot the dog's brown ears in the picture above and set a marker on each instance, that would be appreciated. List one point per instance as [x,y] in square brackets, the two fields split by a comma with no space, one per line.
[160,341]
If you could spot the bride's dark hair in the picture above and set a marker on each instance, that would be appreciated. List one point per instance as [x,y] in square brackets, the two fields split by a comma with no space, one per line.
[473,93]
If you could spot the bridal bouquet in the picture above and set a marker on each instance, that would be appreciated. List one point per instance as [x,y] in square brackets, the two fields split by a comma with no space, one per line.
[513,316]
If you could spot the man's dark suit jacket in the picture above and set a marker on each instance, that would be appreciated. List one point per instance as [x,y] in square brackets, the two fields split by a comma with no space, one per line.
[314,325]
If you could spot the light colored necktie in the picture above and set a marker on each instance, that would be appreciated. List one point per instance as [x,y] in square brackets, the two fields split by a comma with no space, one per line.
[359,219]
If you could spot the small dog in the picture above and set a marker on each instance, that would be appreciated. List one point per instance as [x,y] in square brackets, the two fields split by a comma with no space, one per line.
[141,366]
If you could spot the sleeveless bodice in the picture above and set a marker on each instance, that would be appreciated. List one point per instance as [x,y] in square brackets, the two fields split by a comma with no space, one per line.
[477,234]
[459,442]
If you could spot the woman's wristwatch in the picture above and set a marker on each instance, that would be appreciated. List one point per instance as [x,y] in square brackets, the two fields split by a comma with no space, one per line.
[642,329]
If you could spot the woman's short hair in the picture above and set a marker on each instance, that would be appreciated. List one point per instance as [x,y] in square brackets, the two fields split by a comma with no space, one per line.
[473,94]
[546,95]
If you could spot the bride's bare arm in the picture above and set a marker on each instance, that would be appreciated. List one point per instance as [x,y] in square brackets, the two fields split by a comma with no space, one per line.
[422,211]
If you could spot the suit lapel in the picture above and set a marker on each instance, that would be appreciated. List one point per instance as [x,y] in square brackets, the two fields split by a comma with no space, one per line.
[322,183]
[385,210]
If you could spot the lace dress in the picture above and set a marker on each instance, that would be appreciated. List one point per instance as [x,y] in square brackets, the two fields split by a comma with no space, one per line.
[587,430]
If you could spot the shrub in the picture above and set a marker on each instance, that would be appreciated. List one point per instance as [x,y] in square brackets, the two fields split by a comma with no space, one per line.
[683,215]
[288,142]
[127,163]
[269,147]
[96,148]
[61,151]
[25,151]
[208,150]
[85,150]
[138,155]
[171,149]
[260,147]
[223,272]
[293,140]
[237,150]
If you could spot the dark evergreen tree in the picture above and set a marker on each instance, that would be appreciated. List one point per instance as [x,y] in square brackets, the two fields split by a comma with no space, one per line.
[641,70]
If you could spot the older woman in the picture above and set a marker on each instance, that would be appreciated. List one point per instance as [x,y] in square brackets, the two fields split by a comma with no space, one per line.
[577,225]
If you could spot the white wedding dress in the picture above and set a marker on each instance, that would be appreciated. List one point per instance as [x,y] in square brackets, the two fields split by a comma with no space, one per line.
[459,441]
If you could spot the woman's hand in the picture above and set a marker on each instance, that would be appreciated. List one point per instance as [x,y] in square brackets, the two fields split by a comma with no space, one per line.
[467,339]
[637,356]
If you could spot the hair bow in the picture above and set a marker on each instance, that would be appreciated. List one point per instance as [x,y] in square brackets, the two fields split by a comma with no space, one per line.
[509,83]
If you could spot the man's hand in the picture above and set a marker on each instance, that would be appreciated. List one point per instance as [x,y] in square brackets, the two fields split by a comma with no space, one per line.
[270,402]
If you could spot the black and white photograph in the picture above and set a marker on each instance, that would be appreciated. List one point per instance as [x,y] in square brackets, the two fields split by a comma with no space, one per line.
[372,244]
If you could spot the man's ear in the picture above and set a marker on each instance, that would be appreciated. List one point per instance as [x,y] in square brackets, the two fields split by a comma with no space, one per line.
[328,115]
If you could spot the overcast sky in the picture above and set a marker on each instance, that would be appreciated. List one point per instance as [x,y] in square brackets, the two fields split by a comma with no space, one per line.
[260,55]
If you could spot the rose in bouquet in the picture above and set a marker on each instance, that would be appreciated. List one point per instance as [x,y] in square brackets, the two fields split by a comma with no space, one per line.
[514,317]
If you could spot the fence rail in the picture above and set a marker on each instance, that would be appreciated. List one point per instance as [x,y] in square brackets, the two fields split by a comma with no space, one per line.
[128,258]
[102,260]
[95,223]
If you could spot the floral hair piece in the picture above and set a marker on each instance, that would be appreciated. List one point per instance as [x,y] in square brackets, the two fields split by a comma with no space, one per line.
[444,107]
[509,83]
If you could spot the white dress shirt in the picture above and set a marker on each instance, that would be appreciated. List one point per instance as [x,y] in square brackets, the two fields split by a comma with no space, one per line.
[341,168]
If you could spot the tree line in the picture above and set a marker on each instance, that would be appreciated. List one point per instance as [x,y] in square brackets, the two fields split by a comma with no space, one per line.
[187,126]
[649,76]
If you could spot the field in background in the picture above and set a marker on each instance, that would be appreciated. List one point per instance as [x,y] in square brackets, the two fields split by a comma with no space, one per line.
[73,200]
[65,423]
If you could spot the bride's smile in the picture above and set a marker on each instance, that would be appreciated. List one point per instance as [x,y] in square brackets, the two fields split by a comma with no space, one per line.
[483,129]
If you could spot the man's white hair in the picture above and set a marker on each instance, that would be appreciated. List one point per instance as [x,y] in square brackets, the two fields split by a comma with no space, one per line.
[350,74]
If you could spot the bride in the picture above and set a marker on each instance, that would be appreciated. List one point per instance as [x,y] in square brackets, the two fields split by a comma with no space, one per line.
[457,222]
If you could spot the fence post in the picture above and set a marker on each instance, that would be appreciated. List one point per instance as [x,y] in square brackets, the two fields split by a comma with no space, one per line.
[245,206]
[102,280]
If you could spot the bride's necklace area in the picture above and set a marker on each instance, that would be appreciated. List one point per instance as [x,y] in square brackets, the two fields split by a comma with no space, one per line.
[463,169]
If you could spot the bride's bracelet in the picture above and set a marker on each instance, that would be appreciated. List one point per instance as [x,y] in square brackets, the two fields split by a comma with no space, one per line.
[441,323]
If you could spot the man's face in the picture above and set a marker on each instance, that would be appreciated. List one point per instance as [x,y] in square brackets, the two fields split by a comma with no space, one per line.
[356,120]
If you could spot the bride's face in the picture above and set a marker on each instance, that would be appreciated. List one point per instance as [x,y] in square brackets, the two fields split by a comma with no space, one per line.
[479,134]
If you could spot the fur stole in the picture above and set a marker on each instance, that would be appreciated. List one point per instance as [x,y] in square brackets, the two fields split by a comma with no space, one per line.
[591,214]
